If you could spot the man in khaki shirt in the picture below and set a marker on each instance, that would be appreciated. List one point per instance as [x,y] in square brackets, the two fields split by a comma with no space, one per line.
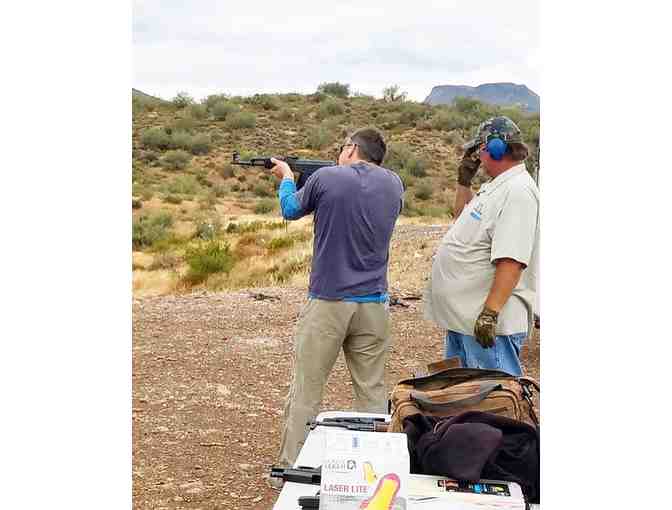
[483,282]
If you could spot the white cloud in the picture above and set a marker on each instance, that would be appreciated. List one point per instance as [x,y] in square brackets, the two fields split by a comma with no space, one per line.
[249,47]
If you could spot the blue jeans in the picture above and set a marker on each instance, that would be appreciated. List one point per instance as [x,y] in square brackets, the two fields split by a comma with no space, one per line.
[503,356]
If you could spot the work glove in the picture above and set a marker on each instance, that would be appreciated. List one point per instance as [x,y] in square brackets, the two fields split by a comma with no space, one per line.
[484,330]
[468,167]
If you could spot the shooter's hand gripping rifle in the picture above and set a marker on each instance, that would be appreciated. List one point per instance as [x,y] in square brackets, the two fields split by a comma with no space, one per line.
[304,167]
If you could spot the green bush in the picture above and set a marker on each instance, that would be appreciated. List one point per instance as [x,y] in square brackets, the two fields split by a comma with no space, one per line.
[319,137]
[200,143]
[241,120]
[400,157]
[213,99]
[330,107]
[198,111]
[423,192]
[266,101]
[449,121]
[262,190]
[155,138]
[253,226]
[406,179]
[176,160]
[207,258]
[182,100]
[183,185]
[280,243]
[223,109]
[394,94]
[148,229]
[172,199]
[181,140]
[208,229]
[335,89]
[264,206]
[410,113]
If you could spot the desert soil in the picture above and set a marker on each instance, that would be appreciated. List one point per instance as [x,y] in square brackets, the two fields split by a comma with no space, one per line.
[211,372]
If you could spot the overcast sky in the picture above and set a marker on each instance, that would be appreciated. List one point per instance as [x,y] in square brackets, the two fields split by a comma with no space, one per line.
[247,47]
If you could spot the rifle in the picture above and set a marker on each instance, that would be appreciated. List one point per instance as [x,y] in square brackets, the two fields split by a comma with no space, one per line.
[353,423]
[301,474]
[304,167]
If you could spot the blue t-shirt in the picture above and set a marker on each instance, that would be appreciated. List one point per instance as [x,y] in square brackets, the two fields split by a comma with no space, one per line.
[355,208]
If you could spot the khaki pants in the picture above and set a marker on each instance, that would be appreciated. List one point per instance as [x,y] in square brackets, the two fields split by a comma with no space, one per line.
[363,331]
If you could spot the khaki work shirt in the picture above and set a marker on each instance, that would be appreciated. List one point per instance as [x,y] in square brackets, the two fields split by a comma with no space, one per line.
[500,221]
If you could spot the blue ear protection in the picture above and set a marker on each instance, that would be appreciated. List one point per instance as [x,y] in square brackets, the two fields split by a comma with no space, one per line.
[496,148]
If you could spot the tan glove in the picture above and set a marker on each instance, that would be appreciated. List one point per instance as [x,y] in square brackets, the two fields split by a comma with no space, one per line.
[484,330]
[468,167]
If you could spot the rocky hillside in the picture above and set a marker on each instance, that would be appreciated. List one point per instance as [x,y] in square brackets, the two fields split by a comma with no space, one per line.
[501,94]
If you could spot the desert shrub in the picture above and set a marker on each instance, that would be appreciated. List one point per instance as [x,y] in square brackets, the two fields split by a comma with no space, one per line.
[410,113]
[136,204]
[319,137]
[330,107]
[198,111]
[181,140]
[393,94]
[266,101]
[183,124]
[409,208]
[213,99]
[172,199]
[223,109]
[207,258]
[282,273]
[182,100]
[335,89]
[148,229]
[406,179]
[156,138]
[449,120]
[235,187]
[400,157]
[253,226]
[262,190]
[226,172]
[208,229]
[200,143]
[183,185]
[241,120]
[202,177]
[264,206]
[176,160]
[423,192]
[280,243]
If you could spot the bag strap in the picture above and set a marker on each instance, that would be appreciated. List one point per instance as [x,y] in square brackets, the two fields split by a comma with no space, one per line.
[425,403]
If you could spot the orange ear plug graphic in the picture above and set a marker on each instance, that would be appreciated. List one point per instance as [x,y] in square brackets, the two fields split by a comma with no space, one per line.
[369,474]
[383,497]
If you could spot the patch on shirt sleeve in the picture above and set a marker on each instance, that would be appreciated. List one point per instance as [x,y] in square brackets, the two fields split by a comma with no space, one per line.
[477,212]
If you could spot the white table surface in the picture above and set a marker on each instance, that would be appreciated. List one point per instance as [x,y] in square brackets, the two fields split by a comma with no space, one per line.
[311,455]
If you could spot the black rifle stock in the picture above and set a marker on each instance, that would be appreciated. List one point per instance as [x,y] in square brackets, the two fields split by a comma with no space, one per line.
[352,423]
[304,167]
[301,474]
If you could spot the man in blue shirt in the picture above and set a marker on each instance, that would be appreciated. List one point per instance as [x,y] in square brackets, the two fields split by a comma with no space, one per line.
[355,205]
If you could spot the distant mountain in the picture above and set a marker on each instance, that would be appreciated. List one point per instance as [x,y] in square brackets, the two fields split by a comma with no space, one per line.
[141,95]
[502,94]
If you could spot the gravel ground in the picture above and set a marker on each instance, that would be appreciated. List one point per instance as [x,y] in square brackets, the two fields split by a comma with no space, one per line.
[211,371]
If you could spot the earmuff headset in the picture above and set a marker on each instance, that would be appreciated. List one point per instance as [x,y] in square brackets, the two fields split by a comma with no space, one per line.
[496,148]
